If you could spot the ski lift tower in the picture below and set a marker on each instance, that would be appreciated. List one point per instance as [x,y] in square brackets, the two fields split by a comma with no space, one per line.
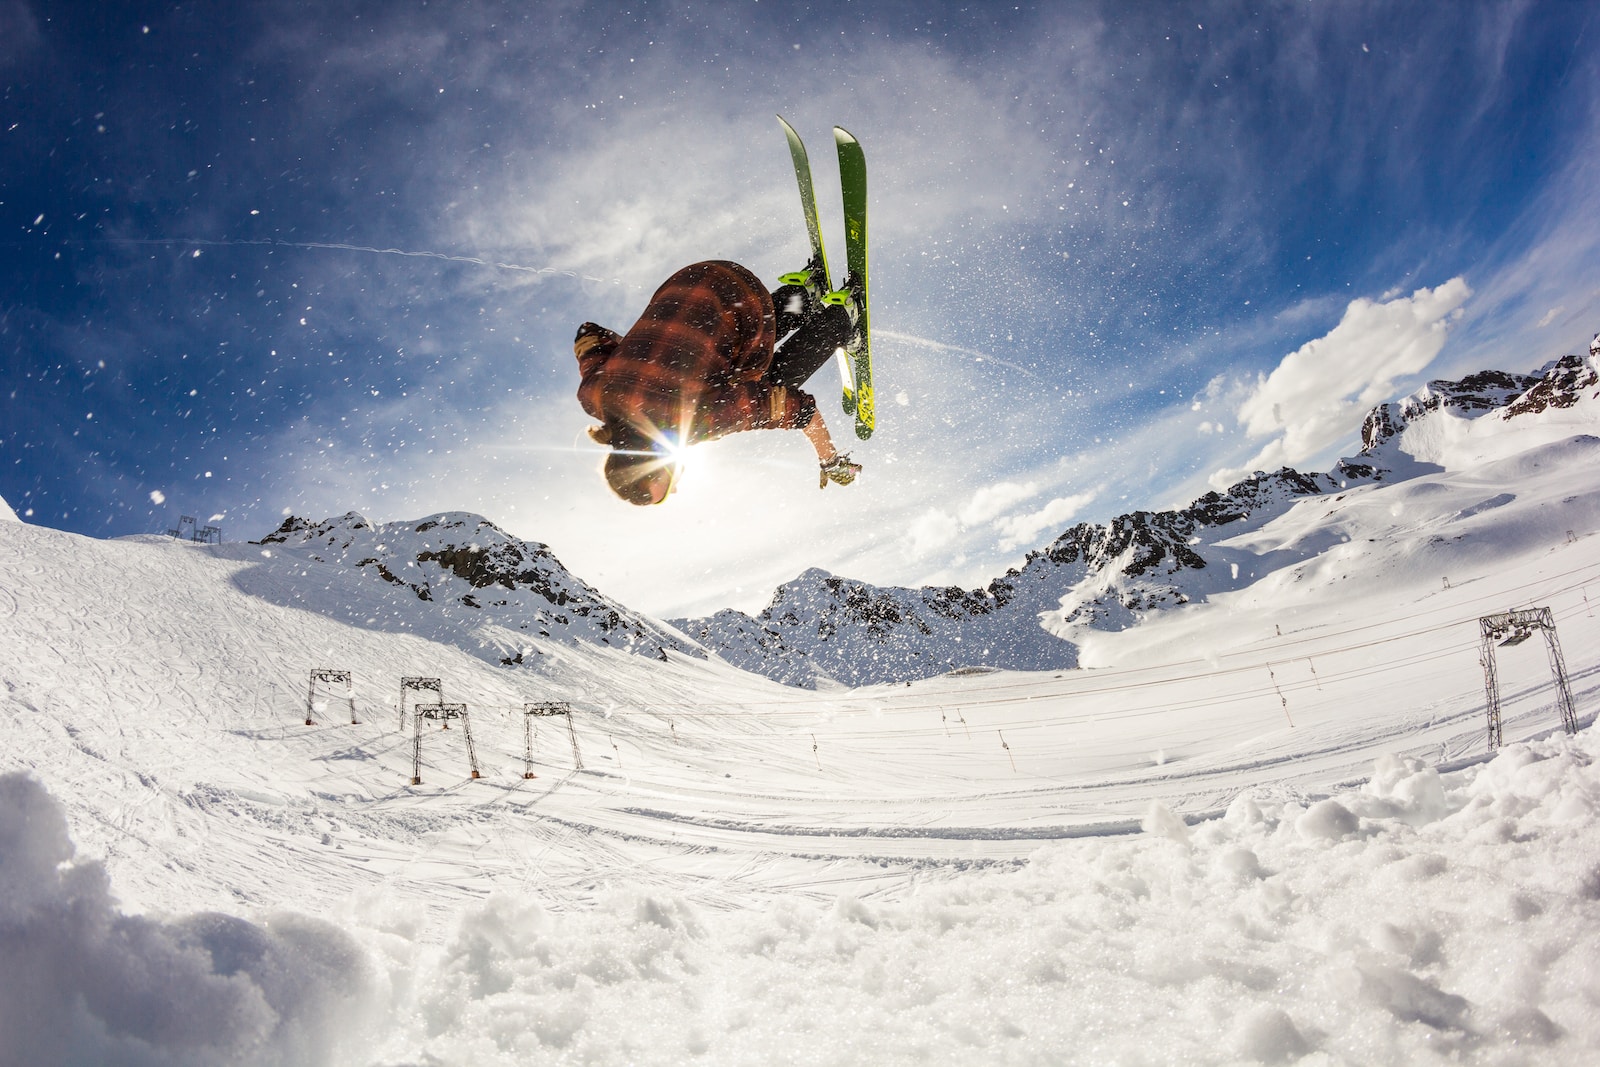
[443,714]
[321,676]
[419,684]
[1510,628]
[540,710]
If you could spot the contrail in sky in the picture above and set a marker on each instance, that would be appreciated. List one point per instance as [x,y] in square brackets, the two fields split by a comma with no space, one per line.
[273,242]
[981,357]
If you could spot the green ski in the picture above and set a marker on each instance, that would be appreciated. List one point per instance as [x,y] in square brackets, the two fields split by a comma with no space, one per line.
[815,276]
[853,296]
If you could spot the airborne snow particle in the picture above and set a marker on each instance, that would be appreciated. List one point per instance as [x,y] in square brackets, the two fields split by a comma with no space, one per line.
[157,497]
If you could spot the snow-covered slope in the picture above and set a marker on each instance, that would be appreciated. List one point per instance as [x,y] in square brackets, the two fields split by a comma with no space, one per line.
[1105,578]
[898,874]
[1330,870]
[6,514]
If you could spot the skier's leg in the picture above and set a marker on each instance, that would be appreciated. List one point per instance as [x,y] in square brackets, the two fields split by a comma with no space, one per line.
[812,345]
[793,305]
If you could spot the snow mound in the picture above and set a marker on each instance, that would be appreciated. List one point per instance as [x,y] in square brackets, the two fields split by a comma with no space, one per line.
[6,514]
[1424,918]
[82,982]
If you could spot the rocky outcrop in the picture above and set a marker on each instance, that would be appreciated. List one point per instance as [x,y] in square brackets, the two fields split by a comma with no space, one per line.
[1562,385]
[1559,384]
[1470,396]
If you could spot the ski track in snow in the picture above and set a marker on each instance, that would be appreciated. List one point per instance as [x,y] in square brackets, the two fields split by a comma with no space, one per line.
[181,736]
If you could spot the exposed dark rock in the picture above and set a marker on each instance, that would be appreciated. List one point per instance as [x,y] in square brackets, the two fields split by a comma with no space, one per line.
[1559,384]
[1563,385]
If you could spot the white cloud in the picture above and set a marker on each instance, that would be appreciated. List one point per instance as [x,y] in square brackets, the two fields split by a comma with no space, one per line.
[1019,530]
[993,500]
[931,531]
[1319,392]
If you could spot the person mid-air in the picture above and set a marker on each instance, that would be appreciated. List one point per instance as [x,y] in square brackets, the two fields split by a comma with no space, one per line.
[704,361]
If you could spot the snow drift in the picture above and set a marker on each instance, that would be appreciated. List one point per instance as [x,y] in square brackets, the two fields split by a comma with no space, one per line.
[83,982]
[1421,918]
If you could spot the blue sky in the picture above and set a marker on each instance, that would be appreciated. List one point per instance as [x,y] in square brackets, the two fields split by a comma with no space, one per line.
[1121,253]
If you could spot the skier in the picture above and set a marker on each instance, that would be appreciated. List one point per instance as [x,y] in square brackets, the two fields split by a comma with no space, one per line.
[704,361]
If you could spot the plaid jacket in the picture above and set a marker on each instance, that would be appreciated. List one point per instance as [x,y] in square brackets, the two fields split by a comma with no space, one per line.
[694,362]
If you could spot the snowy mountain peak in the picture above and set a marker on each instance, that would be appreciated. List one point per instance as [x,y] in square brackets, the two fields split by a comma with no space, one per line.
[1108,577]
[1146,542]
[1472,395]
[1560,383]
[457,558]
[1096,576]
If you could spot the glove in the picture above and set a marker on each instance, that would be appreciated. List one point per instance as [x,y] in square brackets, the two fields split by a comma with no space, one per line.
[839,470]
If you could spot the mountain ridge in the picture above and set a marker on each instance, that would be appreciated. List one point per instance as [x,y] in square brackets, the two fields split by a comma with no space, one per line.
[460,559]
[820,628]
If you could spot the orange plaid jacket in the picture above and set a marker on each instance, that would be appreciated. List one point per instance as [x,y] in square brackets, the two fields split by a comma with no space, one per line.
[695,361]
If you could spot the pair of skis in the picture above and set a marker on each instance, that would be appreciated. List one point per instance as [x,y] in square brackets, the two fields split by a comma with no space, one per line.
[855,363]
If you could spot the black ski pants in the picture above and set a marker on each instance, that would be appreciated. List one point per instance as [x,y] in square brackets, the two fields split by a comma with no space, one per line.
[810,335]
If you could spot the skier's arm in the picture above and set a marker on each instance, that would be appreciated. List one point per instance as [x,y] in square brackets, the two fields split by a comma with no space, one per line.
[757,406]
[593,346]
[835,467]
[816,432]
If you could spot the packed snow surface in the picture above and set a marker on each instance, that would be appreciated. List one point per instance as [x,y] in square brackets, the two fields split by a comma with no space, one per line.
[1259,829]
